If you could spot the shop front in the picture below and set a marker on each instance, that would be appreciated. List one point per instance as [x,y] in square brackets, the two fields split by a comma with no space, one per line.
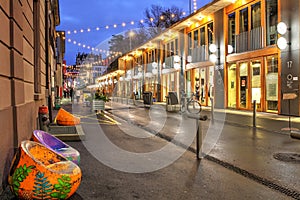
[170,82]
[254,80]
[200,81]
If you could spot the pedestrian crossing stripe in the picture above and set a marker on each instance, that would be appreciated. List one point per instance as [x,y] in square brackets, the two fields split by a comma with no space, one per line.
[109,120]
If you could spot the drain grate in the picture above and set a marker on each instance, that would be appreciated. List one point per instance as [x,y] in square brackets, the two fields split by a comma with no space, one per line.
[288,157]
[284,190]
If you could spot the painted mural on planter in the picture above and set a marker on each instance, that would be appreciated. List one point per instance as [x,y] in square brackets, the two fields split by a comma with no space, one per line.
[55,144]
[40,173]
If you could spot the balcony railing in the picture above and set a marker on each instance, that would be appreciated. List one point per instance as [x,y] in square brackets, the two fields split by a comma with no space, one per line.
[199,54]
[169,62]
[149,67]
[249,41]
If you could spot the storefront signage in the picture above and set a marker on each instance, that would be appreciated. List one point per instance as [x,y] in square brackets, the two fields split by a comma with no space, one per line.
[289,96]
[256,94]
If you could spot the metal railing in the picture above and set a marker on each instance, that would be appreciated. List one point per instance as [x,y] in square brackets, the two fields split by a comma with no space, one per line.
[249,41]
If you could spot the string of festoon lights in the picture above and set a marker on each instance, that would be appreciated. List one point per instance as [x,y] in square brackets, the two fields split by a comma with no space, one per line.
[93,48]
[110,54]
[195,5]
[116,25]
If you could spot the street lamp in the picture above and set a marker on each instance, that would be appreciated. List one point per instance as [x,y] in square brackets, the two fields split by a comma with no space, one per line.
[213,49]
[282,42]
[131,33]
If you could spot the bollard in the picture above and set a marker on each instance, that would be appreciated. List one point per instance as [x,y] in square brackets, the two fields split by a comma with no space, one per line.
[295,134]
[254,113]
[212,108]
[199,134]
[44,118]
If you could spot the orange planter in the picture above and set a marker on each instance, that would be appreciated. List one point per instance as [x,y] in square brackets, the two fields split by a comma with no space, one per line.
[40,173]
[65,118]
[55,144]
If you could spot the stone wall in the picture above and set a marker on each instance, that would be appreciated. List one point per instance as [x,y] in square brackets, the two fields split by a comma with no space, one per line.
[18,102]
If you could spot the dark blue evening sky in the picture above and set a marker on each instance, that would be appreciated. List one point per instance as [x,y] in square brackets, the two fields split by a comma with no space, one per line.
[78,14]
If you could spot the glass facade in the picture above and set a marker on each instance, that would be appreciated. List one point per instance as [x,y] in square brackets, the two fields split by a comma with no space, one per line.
[255,67]
[271,77]
[271,21]
[231,30]
[232,85]
[243,20]
[255,15]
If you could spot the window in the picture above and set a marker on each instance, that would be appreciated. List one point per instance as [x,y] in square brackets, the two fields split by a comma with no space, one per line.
[168,50]
[172,46]
[255,15]
[210,33]
[202,36]
[196,35]
[243,20]
[271,21]
[231,29]
[190,43]
[176,47]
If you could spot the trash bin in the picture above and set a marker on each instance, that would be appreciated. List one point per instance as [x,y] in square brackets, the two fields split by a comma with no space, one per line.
[147,97]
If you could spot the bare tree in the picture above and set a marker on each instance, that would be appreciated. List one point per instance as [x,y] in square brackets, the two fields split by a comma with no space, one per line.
[157,19]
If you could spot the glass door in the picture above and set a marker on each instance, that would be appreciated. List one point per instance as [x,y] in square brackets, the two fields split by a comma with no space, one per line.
[243,85]
[271,77]
[210,84]
[203,86]
[256,92]
[232,85]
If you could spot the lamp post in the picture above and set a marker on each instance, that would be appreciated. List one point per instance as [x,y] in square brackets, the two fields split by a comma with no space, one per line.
[131,33]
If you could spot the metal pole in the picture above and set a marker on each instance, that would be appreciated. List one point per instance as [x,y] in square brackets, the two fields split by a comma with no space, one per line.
[290,127]
[199,133]
[254,113]
[199,140]
[212,109]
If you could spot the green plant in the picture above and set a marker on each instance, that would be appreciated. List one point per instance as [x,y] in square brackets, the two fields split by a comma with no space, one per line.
[63,187]
[19,175]
[101,96]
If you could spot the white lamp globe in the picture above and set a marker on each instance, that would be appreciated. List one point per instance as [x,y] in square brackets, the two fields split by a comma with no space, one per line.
[154,71]
[281,43]
[212,48]
[213,58]
[281,28]
[154,64]
[176,59]
[230,48]
[176,66]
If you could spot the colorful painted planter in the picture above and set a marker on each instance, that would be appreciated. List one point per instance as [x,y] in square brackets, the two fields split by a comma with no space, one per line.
[55,144]
[40,173]
[64,118]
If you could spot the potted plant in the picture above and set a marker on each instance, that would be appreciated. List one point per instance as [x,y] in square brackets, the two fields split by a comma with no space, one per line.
[99,101]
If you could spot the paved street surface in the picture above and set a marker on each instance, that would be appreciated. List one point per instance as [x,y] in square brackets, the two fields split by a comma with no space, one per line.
[133,152]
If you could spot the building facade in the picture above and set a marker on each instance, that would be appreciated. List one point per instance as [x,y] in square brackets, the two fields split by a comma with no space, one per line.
[244,66]
[27,46]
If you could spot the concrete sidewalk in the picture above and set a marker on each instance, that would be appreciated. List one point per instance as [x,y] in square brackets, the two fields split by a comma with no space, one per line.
[246,151]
